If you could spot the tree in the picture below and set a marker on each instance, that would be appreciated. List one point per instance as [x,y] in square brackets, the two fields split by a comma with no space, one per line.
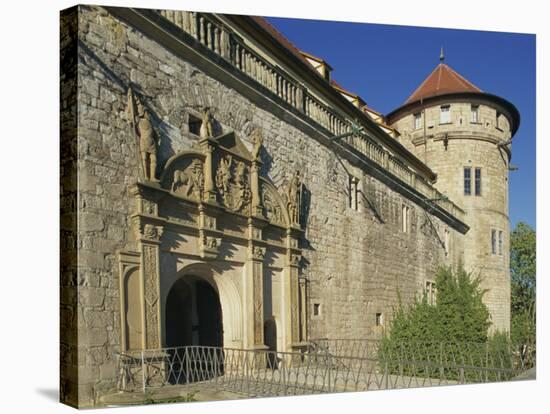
[523,274]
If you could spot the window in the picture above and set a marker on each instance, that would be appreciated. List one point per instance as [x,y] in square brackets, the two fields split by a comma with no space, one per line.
[405,218]
[497,123]
[316,309]
[417,120]
[478,181]
[379,319]
[467,181]
[447,242]
[500,242]
[194,125]
[475,114]
[353,192]
[445,114]
[430,292]
[494,241]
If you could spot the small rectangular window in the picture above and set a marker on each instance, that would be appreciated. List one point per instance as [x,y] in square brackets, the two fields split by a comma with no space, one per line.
[379,319]
[194,124]
[353,192]
[494,241]
[478,181]
[417,120]
[475,114]
[445,115]
[467,181]
[430,292]
[447,243]
[497,122]
[405,218]
[500,242]
[316,309]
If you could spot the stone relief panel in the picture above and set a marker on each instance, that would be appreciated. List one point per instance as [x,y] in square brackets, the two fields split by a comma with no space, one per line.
[233,184]
[185,177]
[189,182]
[273,208]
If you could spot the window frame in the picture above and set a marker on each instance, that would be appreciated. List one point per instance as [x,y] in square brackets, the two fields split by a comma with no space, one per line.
[500,242]
[469,180]
[417,118]
[474,109]
[448,111]
[478,188]
[493,241]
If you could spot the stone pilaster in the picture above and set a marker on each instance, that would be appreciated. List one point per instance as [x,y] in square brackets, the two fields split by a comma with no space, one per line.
[291,293]
[253,298]
[149,246]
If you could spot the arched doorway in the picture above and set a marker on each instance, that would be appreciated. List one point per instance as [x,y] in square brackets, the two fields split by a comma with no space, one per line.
[270,339]
[193,322]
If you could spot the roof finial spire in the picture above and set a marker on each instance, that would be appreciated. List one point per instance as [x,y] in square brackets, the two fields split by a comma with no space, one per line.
[441,55]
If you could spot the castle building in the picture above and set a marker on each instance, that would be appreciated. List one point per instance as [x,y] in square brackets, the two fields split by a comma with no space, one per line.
[220,188]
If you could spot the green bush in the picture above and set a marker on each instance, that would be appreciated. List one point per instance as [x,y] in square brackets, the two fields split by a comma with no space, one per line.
[448,339]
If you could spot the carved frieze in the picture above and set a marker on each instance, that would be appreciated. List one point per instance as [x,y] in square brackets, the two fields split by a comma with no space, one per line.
[233,184]
[148,207]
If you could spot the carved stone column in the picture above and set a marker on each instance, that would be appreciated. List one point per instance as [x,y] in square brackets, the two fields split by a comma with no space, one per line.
[291,293]
[149,247]
[302,282]
[209,189]
[253,288]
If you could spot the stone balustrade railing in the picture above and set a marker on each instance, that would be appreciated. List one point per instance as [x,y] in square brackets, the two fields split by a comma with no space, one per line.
[213,35]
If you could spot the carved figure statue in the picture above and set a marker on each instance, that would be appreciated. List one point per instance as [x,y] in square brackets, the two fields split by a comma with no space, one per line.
[223,176]
[206,130]
[258,140]
[294,195]
[140,119]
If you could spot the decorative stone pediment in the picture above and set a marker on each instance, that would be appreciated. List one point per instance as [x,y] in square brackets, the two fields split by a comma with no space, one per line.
[232,144]
[183,175]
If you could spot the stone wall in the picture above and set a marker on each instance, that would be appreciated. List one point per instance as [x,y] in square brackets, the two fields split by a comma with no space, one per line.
[68,352]
[355,261]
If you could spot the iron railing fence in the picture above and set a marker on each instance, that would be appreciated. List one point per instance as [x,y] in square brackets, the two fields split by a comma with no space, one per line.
[462,361]
[361,365]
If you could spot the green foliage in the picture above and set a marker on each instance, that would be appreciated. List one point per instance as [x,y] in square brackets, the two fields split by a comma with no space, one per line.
[437,340]
[459,314]
[523,272]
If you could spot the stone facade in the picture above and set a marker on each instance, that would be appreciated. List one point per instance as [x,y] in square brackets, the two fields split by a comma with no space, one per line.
[320,252]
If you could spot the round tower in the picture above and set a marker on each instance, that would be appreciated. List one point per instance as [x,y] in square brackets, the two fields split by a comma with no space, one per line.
[464,135]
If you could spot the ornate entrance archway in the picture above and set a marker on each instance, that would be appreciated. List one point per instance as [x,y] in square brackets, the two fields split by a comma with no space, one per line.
[222,224]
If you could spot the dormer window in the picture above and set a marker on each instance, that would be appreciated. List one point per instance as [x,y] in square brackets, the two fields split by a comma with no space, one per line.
[445,114]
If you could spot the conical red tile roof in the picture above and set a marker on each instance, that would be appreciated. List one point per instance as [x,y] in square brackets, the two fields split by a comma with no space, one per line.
[441,81]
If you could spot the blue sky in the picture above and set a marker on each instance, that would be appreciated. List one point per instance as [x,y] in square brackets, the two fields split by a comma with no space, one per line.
[384,64]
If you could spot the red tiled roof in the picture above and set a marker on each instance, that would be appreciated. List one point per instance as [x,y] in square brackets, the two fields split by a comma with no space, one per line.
[441,81]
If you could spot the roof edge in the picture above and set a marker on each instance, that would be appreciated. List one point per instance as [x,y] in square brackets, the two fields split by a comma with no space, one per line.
[507,107]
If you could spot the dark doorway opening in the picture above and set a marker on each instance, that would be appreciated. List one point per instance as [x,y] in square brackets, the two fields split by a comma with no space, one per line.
[194,331]
[270,339]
